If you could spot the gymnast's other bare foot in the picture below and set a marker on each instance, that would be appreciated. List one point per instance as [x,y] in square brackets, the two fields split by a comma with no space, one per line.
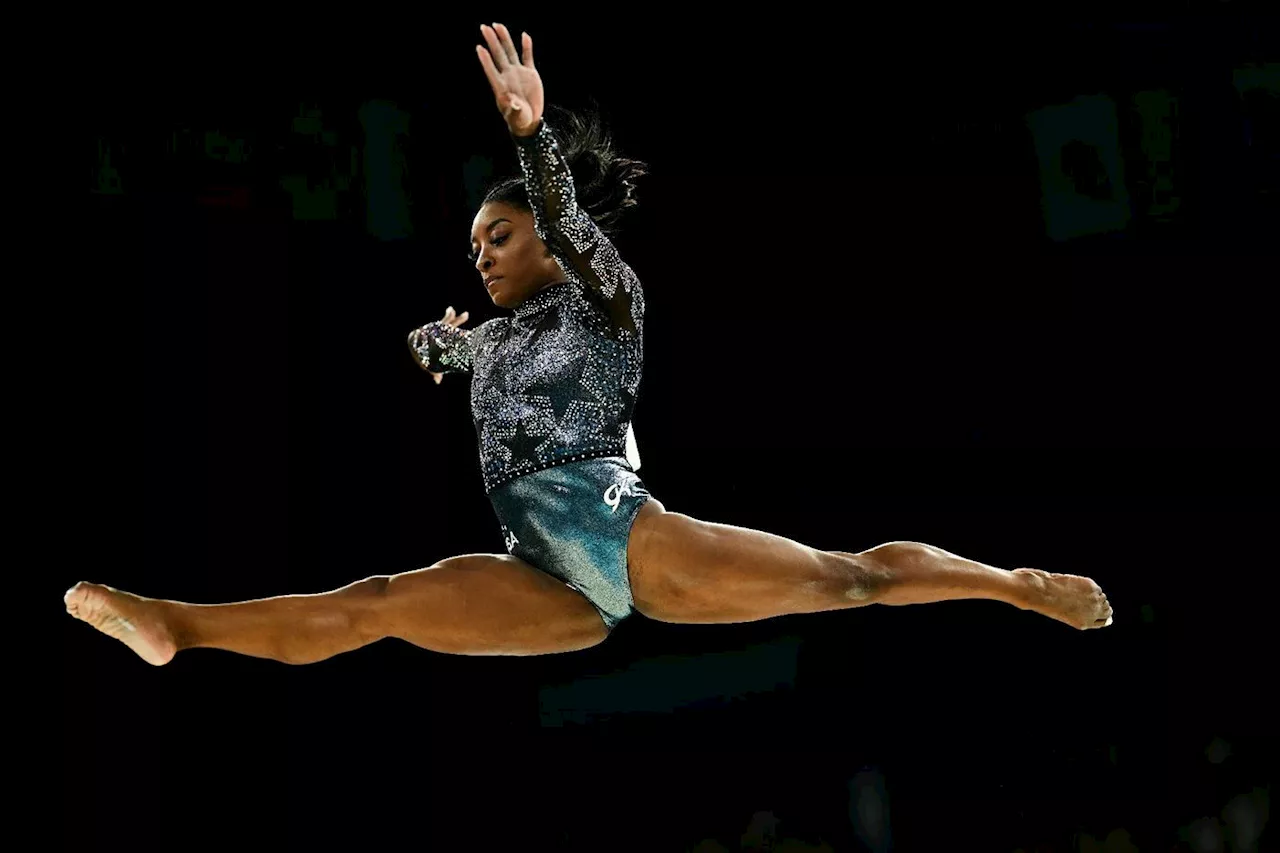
[132,620]
[1076,600]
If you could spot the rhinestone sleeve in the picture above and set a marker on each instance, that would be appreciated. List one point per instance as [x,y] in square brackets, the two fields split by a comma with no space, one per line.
[442,348]
[583,250]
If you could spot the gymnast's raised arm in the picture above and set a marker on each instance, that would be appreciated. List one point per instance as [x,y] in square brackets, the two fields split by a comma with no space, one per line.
[570,232]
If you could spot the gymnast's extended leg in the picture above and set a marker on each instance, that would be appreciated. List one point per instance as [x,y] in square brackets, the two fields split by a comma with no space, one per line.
[686,570]
[479,604]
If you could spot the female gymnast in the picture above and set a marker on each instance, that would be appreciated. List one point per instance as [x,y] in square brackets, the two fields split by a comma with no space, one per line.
[553,389]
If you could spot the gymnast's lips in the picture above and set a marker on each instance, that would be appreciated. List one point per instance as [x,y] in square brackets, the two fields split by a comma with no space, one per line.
[488,282]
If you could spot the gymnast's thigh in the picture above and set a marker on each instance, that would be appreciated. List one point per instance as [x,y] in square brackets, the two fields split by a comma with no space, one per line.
[488,604]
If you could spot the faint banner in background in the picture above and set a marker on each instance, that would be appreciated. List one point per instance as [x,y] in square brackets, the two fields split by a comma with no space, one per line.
[322,168]
[1156,177]
[105,178]
[1258,87]
[1081,173]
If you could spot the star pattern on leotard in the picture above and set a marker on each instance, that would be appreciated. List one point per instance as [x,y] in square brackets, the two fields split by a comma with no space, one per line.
[557,381]
[525,439]
[551,384]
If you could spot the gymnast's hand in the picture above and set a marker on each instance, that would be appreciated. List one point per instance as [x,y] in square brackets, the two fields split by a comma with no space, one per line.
[517,87]
[451,319]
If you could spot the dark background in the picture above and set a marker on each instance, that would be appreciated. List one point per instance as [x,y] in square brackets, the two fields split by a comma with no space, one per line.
[872,315]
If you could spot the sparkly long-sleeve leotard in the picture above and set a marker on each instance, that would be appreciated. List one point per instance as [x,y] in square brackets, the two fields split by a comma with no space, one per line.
[557,381]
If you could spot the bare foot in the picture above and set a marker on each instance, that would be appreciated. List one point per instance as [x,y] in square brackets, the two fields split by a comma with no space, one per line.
[1076,600]
[128,618]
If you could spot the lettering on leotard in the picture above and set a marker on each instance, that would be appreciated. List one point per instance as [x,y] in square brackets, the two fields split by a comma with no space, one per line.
[615,493]
[510,538]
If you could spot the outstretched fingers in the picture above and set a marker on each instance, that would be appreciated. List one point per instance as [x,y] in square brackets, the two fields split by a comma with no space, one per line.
[526,44]
[501,56]
[508,46]
[517,88]
[491,72]
[502,48]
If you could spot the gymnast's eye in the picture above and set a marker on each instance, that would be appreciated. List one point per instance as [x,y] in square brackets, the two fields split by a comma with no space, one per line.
[497,241]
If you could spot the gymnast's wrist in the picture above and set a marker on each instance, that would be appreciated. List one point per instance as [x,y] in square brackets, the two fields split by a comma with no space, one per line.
[529,134]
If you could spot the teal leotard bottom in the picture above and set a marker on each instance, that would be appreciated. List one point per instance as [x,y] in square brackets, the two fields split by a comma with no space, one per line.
[572,521]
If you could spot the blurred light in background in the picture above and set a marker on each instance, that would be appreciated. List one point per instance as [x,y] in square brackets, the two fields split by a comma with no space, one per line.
[1245,817]
[869,810]
[1081,179]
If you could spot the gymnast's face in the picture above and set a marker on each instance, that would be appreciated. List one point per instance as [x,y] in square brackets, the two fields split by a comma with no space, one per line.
[513,261]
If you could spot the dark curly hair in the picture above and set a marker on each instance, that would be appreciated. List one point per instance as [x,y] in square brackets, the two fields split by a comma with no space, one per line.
[603,180]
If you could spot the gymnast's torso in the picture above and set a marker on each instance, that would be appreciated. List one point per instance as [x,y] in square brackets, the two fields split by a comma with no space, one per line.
[557,381]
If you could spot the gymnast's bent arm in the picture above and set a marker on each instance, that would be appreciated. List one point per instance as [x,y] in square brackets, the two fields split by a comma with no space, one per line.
[442,346]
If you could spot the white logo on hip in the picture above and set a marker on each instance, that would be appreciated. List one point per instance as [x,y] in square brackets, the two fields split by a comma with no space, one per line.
[615,493]
[510,538]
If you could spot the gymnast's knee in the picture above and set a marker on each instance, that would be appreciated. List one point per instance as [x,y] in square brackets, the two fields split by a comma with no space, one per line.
[861,578]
